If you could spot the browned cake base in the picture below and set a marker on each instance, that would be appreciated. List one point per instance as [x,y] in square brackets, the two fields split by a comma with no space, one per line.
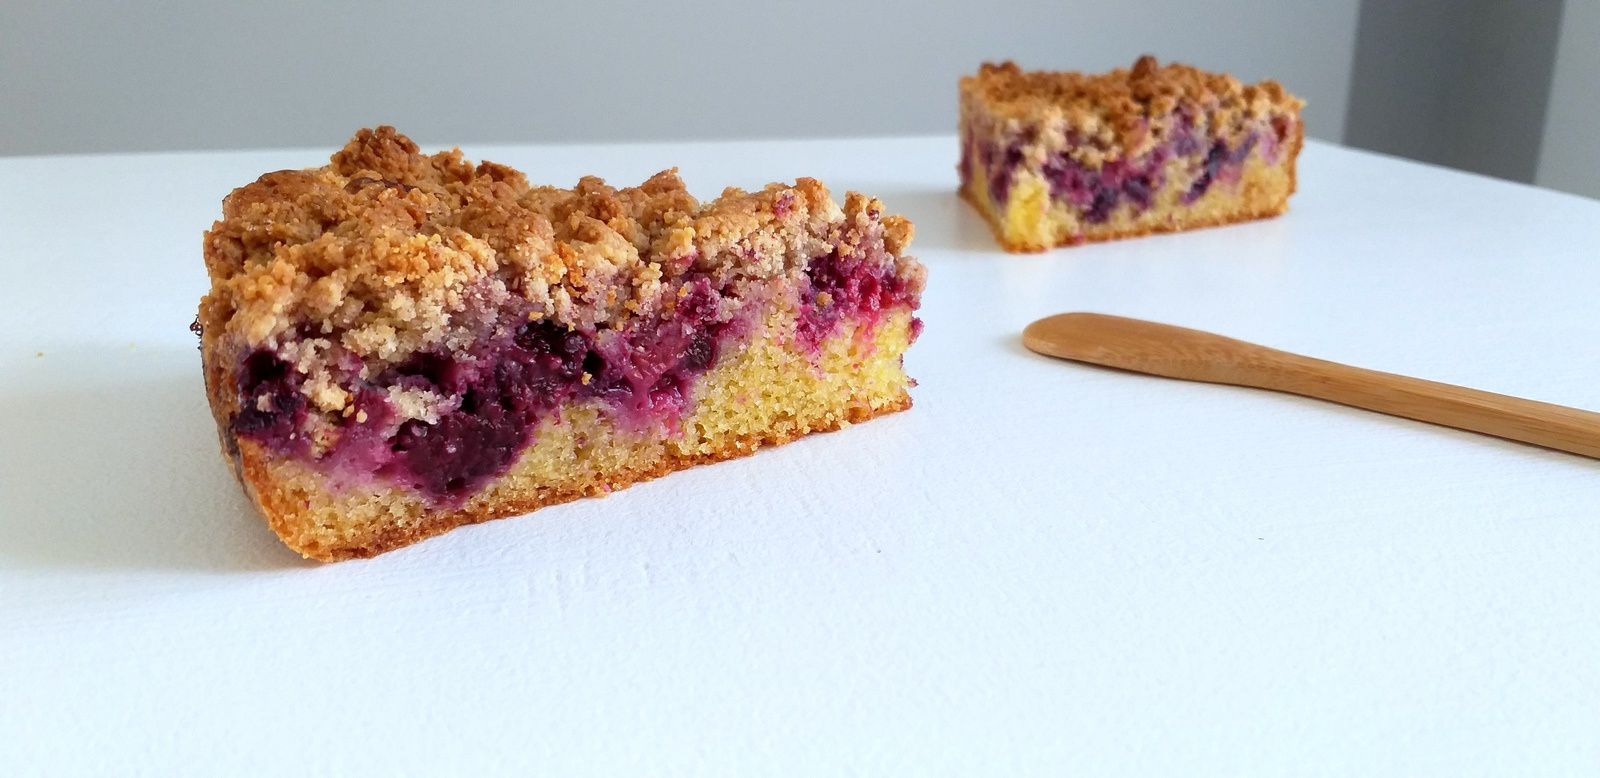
[1025,246]
[286,509]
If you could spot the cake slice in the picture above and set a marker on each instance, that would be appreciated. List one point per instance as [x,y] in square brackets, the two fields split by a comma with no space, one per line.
[1054,159]
[397,344]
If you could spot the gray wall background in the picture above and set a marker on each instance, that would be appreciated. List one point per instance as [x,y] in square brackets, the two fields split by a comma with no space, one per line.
[1463,83]
[195,74]
[1502,87]
[1570,156]
[1508,88]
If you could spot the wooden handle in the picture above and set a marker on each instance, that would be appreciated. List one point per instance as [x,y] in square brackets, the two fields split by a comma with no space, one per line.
[1178,352]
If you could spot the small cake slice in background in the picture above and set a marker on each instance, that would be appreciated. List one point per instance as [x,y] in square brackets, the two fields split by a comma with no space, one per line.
[1054,159]
[396,344]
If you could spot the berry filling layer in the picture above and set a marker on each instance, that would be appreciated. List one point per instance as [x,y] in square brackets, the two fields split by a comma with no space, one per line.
[1187,158]
[445,424]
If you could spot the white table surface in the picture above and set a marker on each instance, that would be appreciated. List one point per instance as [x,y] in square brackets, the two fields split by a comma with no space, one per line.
[1041,568]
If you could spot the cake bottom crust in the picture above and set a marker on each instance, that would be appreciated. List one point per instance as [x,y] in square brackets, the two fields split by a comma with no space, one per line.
[1180,223]
[766,394]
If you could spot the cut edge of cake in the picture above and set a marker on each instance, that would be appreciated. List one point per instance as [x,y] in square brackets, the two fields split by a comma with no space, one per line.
[397,344]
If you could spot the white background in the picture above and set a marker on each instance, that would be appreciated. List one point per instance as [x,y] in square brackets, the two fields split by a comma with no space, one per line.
[1041,569]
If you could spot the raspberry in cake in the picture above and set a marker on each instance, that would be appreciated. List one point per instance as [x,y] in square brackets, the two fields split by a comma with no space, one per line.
[398,344]
[1054,159]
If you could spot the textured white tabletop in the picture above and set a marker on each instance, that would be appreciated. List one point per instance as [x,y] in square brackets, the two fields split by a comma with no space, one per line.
[1041,568]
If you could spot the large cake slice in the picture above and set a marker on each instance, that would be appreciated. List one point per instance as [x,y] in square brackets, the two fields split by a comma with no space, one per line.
[398,344]
[1055,159]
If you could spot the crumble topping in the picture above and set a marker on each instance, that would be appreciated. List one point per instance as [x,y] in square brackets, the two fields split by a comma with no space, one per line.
[350,269]
[1122,96]
[1126,110]
[385,244]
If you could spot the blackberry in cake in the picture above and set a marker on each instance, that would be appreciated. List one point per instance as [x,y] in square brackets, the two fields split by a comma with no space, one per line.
[1053,159]
[398,344]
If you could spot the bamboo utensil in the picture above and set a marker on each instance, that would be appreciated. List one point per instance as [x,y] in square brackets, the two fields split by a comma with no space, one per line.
[1178,352]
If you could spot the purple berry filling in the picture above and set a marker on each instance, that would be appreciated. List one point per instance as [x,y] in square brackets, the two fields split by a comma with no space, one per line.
[1002,169]
[499,392]
[1096,193]
[271,407]
[859,285]
[502,394]
[1221,163]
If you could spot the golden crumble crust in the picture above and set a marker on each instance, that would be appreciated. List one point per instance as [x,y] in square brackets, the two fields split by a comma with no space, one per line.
[386,245]
[1122,95]
[1124,107]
